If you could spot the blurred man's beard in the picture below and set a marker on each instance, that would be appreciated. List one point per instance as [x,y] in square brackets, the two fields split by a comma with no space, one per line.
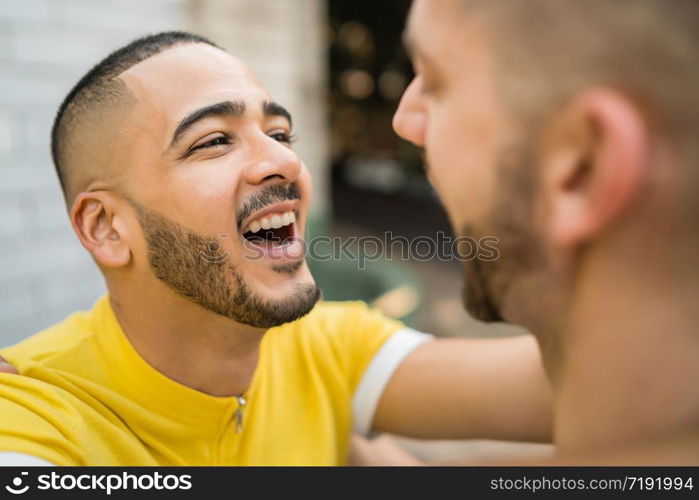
[487,282]
[182,260]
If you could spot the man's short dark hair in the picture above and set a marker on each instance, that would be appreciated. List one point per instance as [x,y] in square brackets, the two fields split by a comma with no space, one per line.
[99,86]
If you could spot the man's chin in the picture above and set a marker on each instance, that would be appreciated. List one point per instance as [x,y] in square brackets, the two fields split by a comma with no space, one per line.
[286,293]
[288,268]
[477,300]
[482,311]
[276,311]
[277,279]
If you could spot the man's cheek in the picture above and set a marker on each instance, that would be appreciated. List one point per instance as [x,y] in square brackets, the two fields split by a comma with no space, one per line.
[444,189]
[304,183]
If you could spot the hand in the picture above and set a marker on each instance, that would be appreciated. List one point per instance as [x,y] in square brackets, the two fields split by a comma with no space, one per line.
[6,367]
[380,451]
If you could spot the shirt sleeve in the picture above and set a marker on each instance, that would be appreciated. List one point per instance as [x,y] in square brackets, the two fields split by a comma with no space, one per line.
[380,370]
[373,346]
[37,422]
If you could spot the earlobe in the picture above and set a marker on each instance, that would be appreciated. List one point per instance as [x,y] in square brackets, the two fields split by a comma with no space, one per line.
[596,165]
[95,223]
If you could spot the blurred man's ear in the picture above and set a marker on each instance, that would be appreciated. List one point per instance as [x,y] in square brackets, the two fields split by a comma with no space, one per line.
[101,228]
[595,162]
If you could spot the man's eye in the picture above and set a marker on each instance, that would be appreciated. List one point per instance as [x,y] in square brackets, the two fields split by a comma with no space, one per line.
[283,137]
[218,141]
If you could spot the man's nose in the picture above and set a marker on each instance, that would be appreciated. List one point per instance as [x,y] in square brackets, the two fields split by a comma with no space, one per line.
[271,159]
[410,119]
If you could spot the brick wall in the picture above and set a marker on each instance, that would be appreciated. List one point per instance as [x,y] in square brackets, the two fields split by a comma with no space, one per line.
[45,46]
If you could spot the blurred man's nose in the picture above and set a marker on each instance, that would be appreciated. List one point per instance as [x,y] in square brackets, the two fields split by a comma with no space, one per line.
[272,160]
[410,119]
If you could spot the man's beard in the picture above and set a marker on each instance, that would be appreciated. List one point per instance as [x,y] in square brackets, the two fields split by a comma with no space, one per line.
[178,258]
[512,221]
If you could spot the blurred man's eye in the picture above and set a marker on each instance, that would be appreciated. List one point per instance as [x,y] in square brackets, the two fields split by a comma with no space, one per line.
[429,86]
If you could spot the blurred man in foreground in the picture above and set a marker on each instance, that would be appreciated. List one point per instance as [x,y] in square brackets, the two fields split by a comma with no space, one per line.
[568,129]
[211,348]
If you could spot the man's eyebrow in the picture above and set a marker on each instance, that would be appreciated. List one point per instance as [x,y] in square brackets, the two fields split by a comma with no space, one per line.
[224,108]
[270,108]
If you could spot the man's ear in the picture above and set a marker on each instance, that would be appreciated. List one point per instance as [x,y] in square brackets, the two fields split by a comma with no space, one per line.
[595,163]
[100,228]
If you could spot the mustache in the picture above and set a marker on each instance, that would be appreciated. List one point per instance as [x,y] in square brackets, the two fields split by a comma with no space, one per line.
[267,196]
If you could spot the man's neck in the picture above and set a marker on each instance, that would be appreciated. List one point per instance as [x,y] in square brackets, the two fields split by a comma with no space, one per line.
[630,356]
[187,343]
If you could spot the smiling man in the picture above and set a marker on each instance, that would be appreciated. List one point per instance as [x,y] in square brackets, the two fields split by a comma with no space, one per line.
[567,129]
[211,347]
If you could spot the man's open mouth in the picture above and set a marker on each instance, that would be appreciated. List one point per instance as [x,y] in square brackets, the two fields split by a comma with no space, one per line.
[276,229]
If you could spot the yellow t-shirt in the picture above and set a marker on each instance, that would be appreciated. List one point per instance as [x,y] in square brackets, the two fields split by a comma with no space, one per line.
[88,398]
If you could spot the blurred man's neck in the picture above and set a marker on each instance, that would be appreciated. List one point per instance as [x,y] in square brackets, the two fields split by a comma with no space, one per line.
[187,343]
[630,352]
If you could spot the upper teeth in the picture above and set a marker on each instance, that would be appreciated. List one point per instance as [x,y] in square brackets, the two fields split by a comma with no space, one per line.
[271,222]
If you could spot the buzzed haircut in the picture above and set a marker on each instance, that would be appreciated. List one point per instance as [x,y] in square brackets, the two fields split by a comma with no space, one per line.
[548,50]
[100,88]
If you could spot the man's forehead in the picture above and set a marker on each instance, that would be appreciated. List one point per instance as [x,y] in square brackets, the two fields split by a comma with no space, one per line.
[443,30]
[424,20]
[190,74]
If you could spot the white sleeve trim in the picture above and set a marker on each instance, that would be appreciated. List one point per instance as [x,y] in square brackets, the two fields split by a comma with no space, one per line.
[12,459]
[379,372]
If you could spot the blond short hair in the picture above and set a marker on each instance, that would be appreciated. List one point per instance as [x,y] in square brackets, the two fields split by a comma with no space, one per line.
[647,49]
